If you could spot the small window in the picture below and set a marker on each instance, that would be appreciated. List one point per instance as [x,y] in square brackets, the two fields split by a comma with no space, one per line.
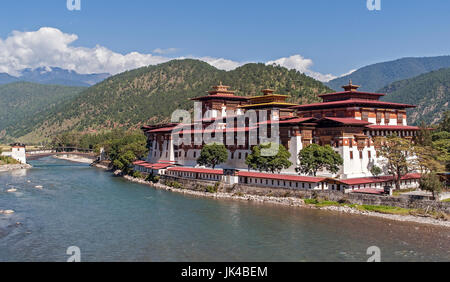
[361,155]
[365,116]
[351,155]
[369,153]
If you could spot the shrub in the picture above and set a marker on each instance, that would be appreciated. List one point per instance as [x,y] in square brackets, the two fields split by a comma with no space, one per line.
[211,189]
[153,178]
[137,174]
[174,184]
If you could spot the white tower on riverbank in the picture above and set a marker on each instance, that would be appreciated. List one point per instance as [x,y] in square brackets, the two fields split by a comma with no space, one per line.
[18,152]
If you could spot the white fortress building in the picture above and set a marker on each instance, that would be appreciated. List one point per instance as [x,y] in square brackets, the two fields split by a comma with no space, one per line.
[348,121]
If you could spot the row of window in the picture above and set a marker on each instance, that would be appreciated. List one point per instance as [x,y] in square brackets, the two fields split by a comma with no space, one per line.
[194,175]
[382,184]
[369,155]
[401,133]
[277,183]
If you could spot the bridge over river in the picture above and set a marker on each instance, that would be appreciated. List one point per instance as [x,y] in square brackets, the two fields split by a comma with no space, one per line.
[80,152]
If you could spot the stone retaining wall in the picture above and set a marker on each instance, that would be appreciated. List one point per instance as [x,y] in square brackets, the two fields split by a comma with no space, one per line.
[336,196]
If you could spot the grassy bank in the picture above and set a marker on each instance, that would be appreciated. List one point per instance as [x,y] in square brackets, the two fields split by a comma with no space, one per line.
[7,160]
[380,209]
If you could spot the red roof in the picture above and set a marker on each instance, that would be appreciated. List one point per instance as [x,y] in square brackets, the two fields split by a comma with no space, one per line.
[197,170]
[351,92]
[287,121]
[220,96]
[379,179]
[152,166]
[281,177]
[393,127]
[353,102]
[164,129]
[234,129]
[350,121]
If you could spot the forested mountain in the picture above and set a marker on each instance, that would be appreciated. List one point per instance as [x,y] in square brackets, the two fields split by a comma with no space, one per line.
[53,75]
[373,77]
[6,78]
[430,92]
[151,94]
[24,102]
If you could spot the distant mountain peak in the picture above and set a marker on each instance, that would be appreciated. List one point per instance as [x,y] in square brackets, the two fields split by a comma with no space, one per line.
[54,75]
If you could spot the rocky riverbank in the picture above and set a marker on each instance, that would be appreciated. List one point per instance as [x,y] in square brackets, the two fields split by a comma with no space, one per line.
[293,202]
[10,167]
[74,158]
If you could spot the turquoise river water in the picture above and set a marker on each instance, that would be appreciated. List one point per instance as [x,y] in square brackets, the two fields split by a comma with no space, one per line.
[111,219]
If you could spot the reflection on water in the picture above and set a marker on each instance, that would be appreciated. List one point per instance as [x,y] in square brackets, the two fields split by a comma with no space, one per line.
[114,220]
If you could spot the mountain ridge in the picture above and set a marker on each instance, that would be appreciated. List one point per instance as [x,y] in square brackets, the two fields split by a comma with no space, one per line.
[20,101]
[430,92]
[376,76]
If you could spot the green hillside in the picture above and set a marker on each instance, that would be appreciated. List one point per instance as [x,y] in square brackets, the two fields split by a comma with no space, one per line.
[23,102]
[430,92]
[151,94]
[376,76]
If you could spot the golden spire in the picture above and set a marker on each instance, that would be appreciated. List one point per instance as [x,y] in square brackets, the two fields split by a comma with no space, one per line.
[351,87]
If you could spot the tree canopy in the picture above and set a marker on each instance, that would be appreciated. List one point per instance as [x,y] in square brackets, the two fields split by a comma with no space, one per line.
[269,157]
[397,154]
[213,154]
[315,157]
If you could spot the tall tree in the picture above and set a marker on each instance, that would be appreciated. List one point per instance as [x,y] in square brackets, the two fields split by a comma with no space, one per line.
[427,159]
[397,154]
[425,137]
[315,157]
[213,154]
[269,157]
[432,183]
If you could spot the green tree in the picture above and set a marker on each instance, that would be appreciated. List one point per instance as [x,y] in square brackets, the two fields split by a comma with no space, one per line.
[427,159]
[397,154]
[376,171]
[126,148]
[315,157]
[432,183]
[269,157]
[425,137]
[445,123]
[213,154]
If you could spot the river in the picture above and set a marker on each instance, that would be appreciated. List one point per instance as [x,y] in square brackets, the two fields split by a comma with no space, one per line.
[111,219]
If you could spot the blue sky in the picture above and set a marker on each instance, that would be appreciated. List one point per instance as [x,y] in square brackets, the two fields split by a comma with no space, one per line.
[336,36]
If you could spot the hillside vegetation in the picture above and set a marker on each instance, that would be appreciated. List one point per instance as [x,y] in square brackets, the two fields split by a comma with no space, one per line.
[151,94]
[376,76]
[430,92]
[24,102]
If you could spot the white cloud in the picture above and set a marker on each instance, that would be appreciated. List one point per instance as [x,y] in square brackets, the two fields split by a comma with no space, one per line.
[165,51]
[348,73]
[51,47]
[303,65]
[221,63]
